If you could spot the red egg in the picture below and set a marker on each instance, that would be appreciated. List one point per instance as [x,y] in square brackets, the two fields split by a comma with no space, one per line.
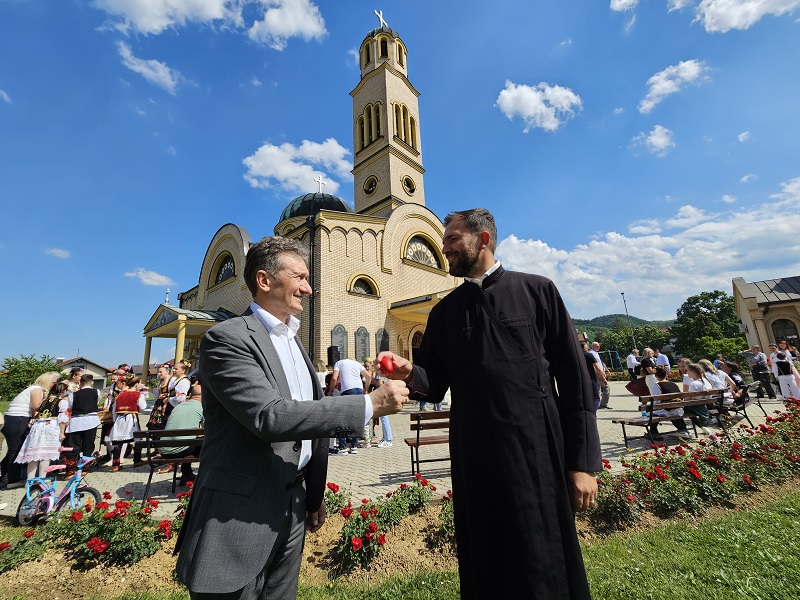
[386,364]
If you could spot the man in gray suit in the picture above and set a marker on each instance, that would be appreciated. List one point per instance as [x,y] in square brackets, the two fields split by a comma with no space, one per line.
[264,460]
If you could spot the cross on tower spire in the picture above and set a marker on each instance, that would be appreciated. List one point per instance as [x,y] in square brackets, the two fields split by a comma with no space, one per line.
[379,14]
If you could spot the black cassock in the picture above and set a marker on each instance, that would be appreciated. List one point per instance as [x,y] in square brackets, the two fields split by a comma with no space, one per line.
[522,415]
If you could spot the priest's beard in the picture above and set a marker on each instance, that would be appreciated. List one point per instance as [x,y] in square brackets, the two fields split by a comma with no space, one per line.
[465,263]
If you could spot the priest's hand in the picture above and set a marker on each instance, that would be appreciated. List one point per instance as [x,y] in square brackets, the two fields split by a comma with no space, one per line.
[400,367]
[389,398]
[315,520]
[583,489]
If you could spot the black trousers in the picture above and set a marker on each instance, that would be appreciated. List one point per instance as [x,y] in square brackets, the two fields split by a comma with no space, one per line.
[186,468]
[15,429]
[81,442]
[766,384]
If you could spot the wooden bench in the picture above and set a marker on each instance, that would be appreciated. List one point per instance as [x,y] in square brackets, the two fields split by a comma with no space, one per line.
[424,421]
[672,401]
[154,439]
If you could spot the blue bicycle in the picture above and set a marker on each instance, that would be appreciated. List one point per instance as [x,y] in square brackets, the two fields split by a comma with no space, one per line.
[41,500]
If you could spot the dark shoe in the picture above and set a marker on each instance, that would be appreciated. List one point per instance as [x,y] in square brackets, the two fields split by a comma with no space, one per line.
[140,463]
[103,460]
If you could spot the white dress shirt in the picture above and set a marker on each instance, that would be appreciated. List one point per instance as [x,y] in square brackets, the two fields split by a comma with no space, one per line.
[294,367]
[479,280]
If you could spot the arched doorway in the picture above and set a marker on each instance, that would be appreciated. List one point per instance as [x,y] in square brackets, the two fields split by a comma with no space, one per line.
[416,340]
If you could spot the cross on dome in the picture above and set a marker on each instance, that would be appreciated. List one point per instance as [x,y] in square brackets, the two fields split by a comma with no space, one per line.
[379,14]
[320,182]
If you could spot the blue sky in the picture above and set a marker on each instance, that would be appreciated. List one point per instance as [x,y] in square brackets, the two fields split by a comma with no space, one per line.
[643,147]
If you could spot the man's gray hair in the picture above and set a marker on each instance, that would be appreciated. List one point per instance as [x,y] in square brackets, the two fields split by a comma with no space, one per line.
[267,255]
[476,220]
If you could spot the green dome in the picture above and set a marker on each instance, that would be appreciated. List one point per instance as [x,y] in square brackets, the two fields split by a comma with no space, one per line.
[310,204]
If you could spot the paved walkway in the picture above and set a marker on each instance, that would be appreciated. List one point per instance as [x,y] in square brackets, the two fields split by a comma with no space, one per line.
[374,471]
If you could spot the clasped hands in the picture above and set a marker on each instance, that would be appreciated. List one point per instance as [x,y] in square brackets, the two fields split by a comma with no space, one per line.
[389,398]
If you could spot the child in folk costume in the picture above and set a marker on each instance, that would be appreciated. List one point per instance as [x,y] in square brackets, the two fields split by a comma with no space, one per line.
[126,417]
[785,372]
[47,431]
[178,387]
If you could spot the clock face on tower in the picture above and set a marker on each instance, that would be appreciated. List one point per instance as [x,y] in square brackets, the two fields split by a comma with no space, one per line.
[420,251]
[226,270]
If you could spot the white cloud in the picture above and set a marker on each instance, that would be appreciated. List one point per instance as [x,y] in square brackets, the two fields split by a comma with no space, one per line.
[255,82]
[155,72]
[5,97]
[629,25]
[154,16]
[544,106]
[749,177]
[619,110]
[567,42]
[171,150]
[288,18]
[659,271]
[720,16]
[293,167]
[670,81]
[727,198]
[659,141]
[353,57]
[57,252]
[150,277]
[677,4]
[744,136]
[623,5]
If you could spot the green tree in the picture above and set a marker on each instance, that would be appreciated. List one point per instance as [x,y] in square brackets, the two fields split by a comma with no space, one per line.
[709,314]
[19,373]
[708,347]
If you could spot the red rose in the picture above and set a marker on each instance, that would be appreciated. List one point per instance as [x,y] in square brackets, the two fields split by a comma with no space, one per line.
[403,486]
[346,512]
[424,482]
[368,536]
[129,492]
[364,501]
[29,534]
[418,476]
[388,494]
[122,504]
[152,502]
[101,505]
[106,495]
[333,487]
[381,539]
[189,484]
[4,546]
[721,478]
[147,510]
[631,498]
[433,488]
[101,547]
[364,515]
[357,543]
[76,516]
[373,526]
[110,515]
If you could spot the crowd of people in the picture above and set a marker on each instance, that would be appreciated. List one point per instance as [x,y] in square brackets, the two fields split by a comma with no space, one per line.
[57,418]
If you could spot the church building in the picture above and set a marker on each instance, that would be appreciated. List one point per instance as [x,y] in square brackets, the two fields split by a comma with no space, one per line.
[376,271]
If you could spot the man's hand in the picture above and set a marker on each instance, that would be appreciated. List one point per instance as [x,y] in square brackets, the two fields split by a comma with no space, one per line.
[402,367]
[389,398]
[315,520]
[583,492]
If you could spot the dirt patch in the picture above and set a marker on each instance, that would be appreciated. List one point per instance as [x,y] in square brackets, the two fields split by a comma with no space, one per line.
[410,547]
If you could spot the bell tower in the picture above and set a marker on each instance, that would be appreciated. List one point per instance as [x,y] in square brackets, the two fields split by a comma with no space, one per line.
[387,153]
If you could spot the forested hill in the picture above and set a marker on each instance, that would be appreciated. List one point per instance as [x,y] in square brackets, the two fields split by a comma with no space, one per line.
[607,322]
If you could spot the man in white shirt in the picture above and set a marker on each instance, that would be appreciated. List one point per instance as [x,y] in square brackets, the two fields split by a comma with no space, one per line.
[633,362]
[355,380]
[602,376]
[264,459]
[661,359]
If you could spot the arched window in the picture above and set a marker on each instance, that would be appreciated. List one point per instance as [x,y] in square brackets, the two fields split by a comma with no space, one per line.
[384,48]
[420,250]
[412,130]
[398,121]
[360,133]
[368,123]
[226,269]
[377,120]
[400,55]
[381,341]
[784,329]
[362,286]
[367,57]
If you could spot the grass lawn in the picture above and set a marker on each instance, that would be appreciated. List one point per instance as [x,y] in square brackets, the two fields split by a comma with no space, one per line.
[752,554]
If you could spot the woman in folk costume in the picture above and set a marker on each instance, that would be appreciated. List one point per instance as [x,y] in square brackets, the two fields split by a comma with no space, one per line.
[47,432]
[126,417]
[158,417]
[179,385]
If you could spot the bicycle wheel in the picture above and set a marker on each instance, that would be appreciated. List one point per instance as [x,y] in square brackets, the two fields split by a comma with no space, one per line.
[84,496]
[28,510]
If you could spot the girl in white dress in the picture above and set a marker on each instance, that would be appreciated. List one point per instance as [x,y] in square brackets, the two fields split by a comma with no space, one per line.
[47,431]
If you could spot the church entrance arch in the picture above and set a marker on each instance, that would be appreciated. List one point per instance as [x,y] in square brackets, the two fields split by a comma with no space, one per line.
[416,341]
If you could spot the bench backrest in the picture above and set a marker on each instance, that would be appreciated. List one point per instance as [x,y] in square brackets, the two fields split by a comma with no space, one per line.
[156,438]
[680,399]
[434,419]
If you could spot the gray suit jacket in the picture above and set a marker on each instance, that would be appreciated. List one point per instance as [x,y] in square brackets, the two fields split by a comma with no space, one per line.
[248,463]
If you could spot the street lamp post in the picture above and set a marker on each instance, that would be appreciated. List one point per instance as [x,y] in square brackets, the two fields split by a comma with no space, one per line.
[633,339]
